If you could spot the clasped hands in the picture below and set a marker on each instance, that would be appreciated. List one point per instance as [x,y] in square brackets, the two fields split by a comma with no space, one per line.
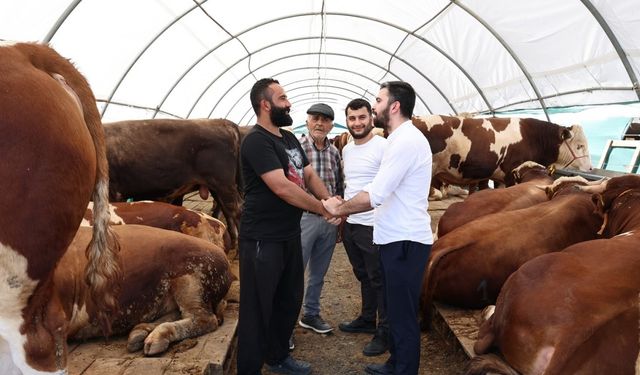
[330,211]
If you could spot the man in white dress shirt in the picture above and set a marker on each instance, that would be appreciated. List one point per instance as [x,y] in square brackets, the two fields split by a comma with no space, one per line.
[401,225]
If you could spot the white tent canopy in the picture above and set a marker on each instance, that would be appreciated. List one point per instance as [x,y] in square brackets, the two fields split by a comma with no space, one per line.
[191,59]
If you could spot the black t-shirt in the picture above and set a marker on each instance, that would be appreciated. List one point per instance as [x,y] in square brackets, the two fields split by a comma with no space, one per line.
[265,216]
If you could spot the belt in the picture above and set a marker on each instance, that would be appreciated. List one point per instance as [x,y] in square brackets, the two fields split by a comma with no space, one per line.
[311,212]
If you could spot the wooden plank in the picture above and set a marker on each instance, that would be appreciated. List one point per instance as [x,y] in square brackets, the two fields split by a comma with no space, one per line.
[214,348]
[107,366]
[147,366]
[463,325]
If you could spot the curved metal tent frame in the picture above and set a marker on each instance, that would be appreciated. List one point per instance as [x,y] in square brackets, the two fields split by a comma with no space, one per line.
[424,47]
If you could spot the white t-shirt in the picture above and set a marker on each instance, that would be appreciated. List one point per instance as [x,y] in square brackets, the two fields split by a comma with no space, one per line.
[361,164]
[401,188]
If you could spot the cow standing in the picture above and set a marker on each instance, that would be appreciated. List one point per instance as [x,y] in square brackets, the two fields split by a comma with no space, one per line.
[467,150]
[576,311]
[53,162]
[174,286]
[163,159]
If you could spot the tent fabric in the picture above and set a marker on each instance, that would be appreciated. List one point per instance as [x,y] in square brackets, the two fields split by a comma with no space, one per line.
[199,58]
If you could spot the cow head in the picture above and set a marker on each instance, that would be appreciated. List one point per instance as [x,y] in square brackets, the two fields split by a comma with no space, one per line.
[610,190]
[574,149]
[564,184]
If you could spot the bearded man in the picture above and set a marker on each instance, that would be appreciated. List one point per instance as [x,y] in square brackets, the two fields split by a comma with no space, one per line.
[275,171]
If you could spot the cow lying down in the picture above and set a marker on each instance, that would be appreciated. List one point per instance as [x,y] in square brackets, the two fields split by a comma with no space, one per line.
[468,266]
[166,216]
[576,311]
[524,194]
[173,288]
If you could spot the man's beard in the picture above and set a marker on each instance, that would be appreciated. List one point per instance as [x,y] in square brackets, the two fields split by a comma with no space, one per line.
[381,120]
[365,133]
[279,116]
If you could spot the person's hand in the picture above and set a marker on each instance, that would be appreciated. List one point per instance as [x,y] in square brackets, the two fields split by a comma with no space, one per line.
[331,219]
[332,204]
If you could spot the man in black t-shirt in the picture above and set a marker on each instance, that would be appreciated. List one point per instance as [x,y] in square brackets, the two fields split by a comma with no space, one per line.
[275,171]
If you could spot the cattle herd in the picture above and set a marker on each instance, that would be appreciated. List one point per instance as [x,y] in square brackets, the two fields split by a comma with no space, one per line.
[556,259]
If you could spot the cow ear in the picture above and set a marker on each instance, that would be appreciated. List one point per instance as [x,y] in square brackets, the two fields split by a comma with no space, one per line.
[565,133]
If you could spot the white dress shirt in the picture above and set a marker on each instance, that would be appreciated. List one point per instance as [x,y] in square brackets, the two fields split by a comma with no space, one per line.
[400,190]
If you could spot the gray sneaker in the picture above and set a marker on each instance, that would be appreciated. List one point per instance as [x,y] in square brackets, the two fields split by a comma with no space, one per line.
[290,366]
[315,323]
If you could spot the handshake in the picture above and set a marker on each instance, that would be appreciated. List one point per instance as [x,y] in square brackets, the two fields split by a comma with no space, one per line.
[330,212]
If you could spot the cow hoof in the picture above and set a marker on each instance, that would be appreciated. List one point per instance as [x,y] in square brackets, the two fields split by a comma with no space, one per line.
[136,339]
[155,347]
[222,306]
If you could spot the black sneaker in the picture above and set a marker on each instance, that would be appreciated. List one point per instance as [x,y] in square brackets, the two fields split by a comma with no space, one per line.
[378,345]
[292,344]
[290,366]
[358,325]
[379,369]
[315,323]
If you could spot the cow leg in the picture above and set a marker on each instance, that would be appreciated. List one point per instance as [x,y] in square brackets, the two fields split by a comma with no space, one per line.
[197,319]
[229,202]
[139,333]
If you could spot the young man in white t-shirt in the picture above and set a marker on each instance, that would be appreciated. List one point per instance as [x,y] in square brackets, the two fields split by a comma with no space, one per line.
[401,222]
[362,159]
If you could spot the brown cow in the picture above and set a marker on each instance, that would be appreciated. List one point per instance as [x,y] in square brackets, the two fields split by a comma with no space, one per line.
[53,162]
[525,194]
[166,216]
[468,266]
[576,311]
[173,287]
[468,150]
[163,159]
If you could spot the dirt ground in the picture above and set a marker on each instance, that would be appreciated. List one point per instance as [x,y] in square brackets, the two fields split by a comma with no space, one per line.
[341,353]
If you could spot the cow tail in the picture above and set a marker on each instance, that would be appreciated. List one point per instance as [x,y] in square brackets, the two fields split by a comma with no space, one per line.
[489,364]
[429,284]
[103,273]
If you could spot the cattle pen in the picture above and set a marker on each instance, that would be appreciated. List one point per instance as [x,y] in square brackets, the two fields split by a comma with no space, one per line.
[444,351]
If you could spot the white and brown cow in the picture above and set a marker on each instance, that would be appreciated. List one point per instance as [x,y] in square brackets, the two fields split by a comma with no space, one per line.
[163,159]
[467,150]
[576,311]
[166,216]
[468,266]
[524,194]
[53,162]
[173,287]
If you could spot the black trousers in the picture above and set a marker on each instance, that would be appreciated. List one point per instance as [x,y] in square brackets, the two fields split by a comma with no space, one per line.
[271,290]
[364,257]
[403,265]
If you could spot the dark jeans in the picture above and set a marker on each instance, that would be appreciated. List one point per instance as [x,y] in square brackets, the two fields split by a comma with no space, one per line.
[365,260]
[272,285]
[403,265]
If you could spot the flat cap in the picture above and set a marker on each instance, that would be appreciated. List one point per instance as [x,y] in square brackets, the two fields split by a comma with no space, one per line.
[321,109]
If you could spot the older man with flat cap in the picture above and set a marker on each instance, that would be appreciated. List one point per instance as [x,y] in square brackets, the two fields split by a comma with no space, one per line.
[319,237]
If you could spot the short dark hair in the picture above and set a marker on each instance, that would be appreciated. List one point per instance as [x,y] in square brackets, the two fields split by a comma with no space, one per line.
[402,92]
[259,91]
[356,104]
